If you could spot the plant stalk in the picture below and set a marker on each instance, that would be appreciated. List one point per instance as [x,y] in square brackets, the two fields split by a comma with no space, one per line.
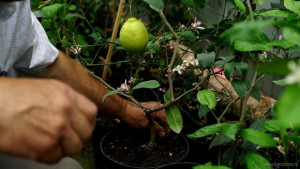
[113,37]
[161,14]
[250,10]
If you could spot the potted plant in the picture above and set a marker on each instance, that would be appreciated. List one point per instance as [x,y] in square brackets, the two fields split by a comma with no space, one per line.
[208,74]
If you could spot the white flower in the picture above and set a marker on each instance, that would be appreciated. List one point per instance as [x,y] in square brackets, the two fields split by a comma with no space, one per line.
[178,69]
[188,62]
[281,149]
[75,50]
[197,25]
[132,80]
[124,87]
[293,77]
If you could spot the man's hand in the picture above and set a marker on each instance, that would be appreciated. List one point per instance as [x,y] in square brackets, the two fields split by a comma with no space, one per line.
[136,117]
[43,119]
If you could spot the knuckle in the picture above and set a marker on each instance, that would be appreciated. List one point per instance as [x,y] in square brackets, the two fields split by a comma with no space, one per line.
[87,134]
[58,125]
[64,104]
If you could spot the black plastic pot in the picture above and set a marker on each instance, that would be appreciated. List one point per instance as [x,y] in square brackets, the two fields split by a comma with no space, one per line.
[180,165]
[101,129]
[140,137]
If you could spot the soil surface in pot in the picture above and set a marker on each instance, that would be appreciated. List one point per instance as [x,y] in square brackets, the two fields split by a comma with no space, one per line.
[131,148]
[182,165]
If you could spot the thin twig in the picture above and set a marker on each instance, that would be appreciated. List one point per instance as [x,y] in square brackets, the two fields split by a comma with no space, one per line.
[161,14]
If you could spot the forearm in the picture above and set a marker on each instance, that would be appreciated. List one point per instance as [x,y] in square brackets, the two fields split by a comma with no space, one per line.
[69,71]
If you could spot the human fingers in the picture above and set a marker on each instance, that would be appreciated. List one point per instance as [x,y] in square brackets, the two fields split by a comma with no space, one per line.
[52,156]
[81,125]
[84,105]
[162,127]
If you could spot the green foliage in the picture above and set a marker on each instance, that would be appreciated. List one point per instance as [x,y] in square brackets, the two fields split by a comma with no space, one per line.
[230,130]
[256,161]
[151,84]
[207,98]
[203,110]
[111,93]
[210,166]
[229,43]
[206,60]
[258,137]
[240,5]
[157,5]
[240,87]
[288,107]
[219,140]
[206,131]
[174,118]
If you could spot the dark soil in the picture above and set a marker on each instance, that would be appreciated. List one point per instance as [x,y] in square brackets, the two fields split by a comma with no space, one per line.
[131,148]
[182,165]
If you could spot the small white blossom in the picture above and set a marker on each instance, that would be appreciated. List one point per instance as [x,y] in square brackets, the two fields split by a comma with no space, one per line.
[132,80]
[124,87]
[280,37]
[75,50]
[197,24]
[162,89]
[281,149]
[293,77]
[188,62]
[178,69]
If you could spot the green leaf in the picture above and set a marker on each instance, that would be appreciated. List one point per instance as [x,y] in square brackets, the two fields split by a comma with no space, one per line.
[228,70]
[292,34]
[189,35]
[281,43]
[272,125]
[246,31]
[282,82]
[218,141]
[203,110]
[156,5]
[288,110]
[242,67]
[278,67]
[154,47]
[74,15]
[174,118]
[167,96]
[51,10]
[210,166]
[240,5]
[240,87]
[111,93]
[258,137]
[255,93]
[256,161]
[39,14]
[206,60]
[151,84]
[208,98]
[230,130]
[258,124]
[291,5]
[206,131]
[275,13]
[71,7]
[245,46]
[260,2]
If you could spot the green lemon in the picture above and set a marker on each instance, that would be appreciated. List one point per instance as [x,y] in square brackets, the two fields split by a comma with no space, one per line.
[134,36]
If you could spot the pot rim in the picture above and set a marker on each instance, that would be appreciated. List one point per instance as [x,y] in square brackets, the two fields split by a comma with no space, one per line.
[135,167]
[185,162]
